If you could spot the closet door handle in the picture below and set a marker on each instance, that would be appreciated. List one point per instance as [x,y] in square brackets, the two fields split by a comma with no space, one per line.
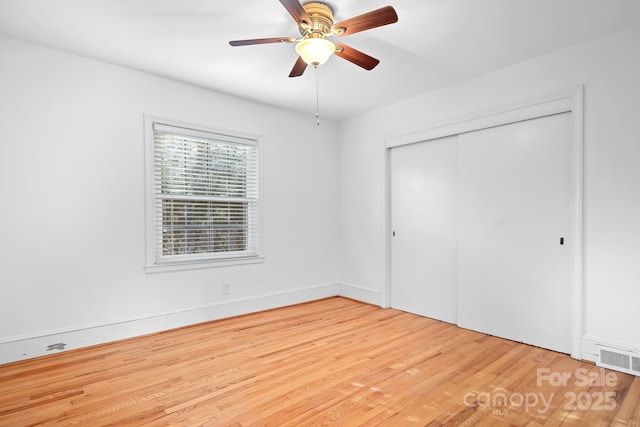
[562,240]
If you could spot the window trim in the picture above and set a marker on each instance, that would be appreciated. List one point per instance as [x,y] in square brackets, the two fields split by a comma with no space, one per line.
[197,261]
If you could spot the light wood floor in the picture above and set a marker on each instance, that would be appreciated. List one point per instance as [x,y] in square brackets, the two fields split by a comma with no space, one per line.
[330,362]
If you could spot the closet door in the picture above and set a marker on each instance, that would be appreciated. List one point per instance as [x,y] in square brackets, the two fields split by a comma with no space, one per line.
[423,220]
[513,229]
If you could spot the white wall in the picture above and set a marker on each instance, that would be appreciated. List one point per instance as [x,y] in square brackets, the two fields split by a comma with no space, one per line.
[72,197]
[609,68]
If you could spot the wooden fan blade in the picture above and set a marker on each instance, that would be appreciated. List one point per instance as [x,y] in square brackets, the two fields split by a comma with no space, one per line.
[296,11]
[298,68]
[353,55]
[376,18]
[262,41]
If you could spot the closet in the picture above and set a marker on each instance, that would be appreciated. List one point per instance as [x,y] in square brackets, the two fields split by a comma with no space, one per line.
[481,230]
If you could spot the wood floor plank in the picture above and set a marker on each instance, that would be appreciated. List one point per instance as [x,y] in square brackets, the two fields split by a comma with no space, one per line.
[329,362]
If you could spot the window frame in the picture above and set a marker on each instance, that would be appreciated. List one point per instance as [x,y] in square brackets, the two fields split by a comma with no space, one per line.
[153,263]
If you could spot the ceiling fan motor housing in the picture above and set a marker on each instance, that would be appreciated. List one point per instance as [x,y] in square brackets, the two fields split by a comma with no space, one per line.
[321,20]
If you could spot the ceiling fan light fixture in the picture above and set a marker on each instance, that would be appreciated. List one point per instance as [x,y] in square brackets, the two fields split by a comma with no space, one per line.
[315,51]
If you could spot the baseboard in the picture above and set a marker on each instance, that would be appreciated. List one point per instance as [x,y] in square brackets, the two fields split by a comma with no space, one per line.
[589,350]
[49,342]
[360,293]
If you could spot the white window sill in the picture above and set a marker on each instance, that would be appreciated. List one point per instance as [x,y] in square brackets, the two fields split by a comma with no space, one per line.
[202,264]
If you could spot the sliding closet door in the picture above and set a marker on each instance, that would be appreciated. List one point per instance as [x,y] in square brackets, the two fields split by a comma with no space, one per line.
[513,224]
[423,220]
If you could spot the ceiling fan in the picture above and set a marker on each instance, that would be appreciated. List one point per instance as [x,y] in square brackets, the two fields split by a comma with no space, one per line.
[315,23]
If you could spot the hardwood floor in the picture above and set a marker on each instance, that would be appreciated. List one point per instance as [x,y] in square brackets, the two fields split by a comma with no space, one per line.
[330,362]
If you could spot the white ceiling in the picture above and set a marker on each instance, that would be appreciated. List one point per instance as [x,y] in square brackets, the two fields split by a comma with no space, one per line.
[435,43]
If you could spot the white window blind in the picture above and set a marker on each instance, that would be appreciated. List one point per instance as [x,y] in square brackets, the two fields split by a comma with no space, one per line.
[205,195]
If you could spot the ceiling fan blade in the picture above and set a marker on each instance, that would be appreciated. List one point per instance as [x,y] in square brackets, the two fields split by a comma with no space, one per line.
[376,18]
[353,55]
[262,41]
[298,68]
[296,11]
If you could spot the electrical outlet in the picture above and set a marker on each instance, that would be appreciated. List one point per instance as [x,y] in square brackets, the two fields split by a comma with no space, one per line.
[226,288]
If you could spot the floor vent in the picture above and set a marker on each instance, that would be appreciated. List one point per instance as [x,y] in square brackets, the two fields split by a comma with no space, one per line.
[618,359]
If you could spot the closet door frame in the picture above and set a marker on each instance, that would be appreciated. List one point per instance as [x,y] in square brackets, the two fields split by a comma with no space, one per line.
[568,101]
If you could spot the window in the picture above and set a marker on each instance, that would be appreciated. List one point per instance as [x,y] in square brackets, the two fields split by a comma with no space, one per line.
[202,196]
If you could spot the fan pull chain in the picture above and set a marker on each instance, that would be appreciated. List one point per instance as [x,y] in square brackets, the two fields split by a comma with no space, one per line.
[317,96]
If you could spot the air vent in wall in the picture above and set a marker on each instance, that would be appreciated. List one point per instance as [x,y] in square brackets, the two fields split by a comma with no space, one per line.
[622,360]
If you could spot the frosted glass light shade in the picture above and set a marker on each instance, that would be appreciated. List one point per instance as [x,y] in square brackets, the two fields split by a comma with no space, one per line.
[315,51]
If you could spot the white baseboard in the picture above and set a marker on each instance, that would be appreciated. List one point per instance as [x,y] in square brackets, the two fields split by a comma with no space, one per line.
[48,342]
[360,293]
[589,350]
